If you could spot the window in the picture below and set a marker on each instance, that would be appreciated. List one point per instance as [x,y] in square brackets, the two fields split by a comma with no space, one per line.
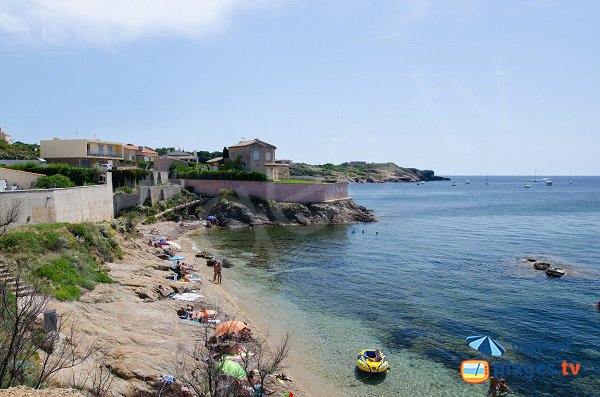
[255,154]
[100,148]
[268,156]
[110,148]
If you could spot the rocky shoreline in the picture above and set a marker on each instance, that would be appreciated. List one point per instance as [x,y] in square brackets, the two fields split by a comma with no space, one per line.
[134,324]
[233,212]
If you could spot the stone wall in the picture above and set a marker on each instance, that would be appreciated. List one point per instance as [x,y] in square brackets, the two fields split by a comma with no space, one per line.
[77,204]
[154,193]
[282,192]
[23,179]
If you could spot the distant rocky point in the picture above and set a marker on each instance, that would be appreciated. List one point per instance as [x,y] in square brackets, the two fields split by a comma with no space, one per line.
[362,172]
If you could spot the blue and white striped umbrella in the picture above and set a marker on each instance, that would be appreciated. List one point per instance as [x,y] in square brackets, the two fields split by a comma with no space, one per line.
[486,345]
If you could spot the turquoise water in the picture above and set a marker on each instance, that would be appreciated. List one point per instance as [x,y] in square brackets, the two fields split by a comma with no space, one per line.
[442,263]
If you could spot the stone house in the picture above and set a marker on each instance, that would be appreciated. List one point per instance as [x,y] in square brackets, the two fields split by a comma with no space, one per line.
[256,155]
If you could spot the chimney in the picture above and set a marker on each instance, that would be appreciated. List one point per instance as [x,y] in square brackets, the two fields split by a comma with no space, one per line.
[140,148]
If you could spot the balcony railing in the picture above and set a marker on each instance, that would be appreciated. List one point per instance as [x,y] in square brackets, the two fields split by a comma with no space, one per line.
[110,155]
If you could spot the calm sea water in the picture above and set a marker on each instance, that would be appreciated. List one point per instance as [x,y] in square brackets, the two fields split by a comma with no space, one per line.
[442,263]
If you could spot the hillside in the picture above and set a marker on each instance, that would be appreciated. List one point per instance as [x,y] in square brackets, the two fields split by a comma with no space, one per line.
[363,173]
[19,151]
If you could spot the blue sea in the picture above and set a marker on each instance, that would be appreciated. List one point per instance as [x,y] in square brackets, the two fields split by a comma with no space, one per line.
[442,263]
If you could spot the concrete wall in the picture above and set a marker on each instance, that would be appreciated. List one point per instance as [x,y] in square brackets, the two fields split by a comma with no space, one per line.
[283,192]
[63,148]
[77,204]
[122,201]
[23,179]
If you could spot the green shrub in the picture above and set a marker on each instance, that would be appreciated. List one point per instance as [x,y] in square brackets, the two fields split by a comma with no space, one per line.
[79,176]
[58,181]
[228,192]
[150,220]
[235,175]
[124,189]
[122,177]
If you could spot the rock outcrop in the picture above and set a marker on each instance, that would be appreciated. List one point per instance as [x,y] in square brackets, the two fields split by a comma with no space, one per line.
[233,212]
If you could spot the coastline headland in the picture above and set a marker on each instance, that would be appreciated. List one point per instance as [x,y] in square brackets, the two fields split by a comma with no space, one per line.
[250,204]
[362,172]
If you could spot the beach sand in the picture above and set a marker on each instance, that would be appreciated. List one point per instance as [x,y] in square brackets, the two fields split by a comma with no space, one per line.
[138,332]
[310,384]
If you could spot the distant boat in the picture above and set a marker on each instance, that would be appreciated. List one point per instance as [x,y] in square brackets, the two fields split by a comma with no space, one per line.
[534,176]
[454,184]
[548,182]
[468,182]
[570,180]
[527,186]
[486,179]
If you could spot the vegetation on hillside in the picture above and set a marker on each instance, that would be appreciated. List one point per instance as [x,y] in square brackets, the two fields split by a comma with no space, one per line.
[148,211]
[69,257]
[19,151]
[369,172]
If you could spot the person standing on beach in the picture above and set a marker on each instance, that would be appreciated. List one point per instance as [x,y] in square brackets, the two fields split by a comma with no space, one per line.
[217,275]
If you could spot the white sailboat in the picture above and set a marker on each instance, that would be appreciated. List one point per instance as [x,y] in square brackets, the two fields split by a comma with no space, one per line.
[486,179]
[570,180]
[534,176]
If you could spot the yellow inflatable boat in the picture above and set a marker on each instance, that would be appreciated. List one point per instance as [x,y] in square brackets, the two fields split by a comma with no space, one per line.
[372,361]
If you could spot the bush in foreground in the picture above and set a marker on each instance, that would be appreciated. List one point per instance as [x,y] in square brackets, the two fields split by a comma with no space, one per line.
[54,181]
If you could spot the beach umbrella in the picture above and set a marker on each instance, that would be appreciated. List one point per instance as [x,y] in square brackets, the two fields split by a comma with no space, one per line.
[486,345]
[232,369]
[230,327]
[174,245]
[211,218]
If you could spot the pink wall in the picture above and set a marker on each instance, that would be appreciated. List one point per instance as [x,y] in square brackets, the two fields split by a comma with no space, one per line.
[283,192]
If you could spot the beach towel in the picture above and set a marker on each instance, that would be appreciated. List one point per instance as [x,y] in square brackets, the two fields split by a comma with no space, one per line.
[187,296]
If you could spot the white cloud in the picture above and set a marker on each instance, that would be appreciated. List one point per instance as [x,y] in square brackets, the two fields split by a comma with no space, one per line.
[105,22]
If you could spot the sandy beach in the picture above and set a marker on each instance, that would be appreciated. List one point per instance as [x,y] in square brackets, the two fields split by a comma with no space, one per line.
[137,331]
[309,383]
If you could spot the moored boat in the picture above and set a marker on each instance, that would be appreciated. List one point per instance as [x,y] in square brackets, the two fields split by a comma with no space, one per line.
[372,361]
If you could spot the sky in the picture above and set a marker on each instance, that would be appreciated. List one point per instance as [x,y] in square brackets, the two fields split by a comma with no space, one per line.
[457,86]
